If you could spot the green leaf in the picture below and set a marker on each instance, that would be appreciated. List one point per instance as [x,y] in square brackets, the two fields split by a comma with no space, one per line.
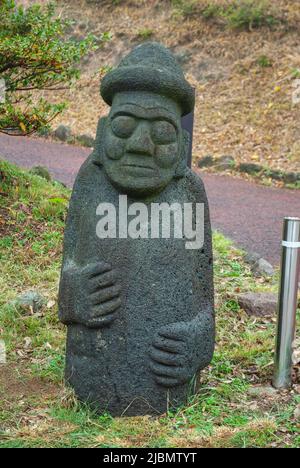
[35,55]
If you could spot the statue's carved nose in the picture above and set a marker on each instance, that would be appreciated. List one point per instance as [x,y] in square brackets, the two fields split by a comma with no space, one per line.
[140,141]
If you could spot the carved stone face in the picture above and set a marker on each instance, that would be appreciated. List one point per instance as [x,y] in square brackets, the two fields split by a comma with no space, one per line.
[142,142]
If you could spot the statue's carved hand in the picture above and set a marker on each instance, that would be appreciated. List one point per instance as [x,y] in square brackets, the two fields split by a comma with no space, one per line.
[102,294]
[173,354]
[96,295]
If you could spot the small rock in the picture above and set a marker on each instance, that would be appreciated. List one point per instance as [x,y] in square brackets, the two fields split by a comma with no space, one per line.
[297,413]
[274,174]
[41,171]
[262,267]
[251,258]
[86,140]
[258,304]
[27,342]
[250,168]
[291,177]
[224,163]
[296,353]
[2,352]
[62,133]
[262,392]
[207,161]
[30,300]
[259,265]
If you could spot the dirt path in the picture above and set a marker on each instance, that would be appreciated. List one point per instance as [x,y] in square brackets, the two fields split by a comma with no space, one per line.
[249,214]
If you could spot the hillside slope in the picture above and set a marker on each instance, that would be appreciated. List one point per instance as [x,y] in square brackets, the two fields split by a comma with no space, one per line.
[245,79]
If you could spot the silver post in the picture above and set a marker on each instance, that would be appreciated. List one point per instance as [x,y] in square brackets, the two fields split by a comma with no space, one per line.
[287,303]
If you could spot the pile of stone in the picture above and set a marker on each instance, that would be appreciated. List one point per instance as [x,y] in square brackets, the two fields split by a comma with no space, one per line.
[227,162]
[64,133]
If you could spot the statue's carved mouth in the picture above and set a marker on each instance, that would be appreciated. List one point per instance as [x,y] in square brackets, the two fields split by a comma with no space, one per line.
[149,170]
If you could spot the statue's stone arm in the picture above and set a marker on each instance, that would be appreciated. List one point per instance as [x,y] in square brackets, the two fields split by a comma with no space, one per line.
[88,294]
[179,350]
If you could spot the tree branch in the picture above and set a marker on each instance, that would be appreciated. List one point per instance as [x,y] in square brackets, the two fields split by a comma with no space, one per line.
[31,132]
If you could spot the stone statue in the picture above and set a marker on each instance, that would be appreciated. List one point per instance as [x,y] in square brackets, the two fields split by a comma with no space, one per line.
[138,305]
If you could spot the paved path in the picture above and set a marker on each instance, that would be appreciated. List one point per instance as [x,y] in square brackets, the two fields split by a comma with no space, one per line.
[249,214]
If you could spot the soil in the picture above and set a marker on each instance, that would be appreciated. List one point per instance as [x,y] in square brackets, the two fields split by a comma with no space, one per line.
[15,383]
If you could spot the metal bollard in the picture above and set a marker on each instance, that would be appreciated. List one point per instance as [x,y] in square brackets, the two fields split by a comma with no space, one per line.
[287,303]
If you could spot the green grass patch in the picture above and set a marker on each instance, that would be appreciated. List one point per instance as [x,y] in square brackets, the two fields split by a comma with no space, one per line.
[145,34]
[35,408]
[236,14]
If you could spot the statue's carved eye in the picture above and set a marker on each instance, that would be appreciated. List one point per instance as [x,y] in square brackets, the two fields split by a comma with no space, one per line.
[123,126]
[163,132]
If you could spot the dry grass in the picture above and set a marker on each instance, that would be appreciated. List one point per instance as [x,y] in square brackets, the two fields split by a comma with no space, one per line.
[235,406]
[244,107]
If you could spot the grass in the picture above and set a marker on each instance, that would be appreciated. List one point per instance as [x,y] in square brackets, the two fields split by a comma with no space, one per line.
[264,61]
[242,14]
[145,34]
[249,14]
[242,109]
[184,8]
[295,73]
[35,408]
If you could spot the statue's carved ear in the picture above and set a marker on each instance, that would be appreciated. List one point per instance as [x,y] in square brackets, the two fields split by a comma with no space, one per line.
[97,153]
[182,165]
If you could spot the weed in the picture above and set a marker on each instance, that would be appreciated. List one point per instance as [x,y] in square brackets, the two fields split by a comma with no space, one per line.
[244,14]
[211,11]
[145,34]
[185,8]
[249,14]
[295,73]
[264,61]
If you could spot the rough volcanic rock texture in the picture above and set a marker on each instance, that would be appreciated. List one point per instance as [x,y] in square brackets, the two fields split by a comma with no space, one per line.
[139,310]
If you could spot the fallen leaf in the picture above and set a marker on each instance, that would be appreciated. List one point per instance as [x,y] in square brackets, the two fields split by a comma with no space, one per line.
[23,128]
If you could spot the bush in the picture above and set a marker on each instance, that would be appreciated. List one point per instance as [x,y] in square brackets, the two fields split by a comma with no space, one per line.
[243,14]
[35,56]
[185,8]
[264,61]
[249,14]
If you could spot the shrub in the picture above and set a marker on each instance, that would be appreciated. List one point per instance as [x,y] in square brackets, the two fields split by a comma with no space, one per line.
[249,14]
[35,56]
[185,8]
[264,61]
[243,14]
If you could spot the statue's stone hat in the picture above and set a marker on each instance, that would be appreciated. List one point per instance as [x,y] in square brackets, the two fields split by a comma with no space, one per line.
[149,67]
